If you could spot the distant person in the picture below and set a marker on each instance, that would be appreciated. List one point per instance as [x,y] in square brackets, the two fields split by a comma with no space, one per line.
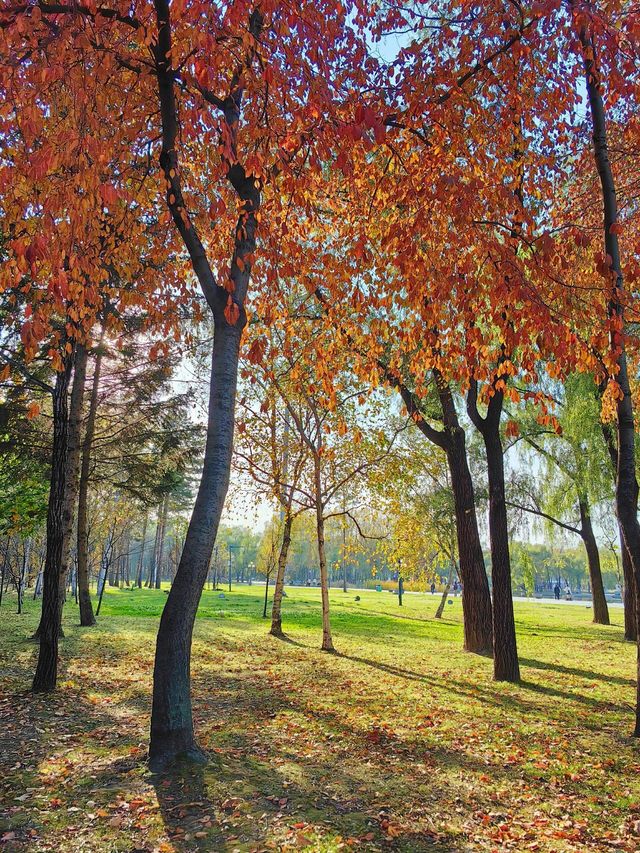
[567,594]
[433,587]
[556,592]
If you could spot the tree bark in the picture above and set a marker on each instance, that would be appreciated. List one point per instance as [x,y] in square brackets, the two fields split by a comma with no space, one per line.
[505,651]
[626,483]
[163,526]
[476,600]
[153,568]
[141,558]
[327,641]
[445,594]
[600,608]
[87,617]
[46,673]
[629,593]
[266,595]
[276,608]
[172,734]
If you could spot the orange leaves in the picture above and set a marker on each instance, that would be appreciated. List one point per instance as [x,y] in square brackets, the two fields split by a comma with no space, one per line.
[108,194]
[512,429]
[33,411]
[257,350]
[231,311]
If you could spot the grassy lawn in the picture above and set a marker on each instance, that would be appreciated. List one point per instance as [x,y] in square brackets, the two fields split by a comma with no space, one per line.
[400,742]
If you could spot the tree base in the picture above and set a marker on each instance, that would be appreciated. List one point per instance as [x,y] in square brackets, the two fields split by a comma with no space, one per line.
[483,652]
[172,750]
[35,637]
[277,632]
[329,649]
[88,623]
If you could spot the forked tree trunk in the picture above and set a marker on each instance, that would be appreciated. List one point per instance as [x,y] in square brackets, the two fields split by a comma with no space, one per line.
[626,483]
[276,608]
[47,668]
[172,734]
[600,608]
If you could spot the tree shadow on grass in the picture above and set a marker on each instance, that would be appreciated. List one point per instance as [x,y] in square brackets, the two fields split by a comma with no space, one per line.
[238,801]
[496,697]
[588,674]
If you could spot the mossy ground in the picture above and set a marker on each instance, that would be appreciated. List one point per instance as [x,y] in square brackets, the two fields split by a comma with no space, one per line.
[400,742]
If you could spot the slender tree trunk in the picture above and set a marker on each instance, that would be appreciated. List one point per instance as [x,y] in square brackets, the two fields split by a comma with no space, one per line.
[142,544]
[72,462]
[600,608]
[172,732]
[23,573]
[163,527]
[327,641]
[626,483]
[46,674]
[266,594]
[476,600]
[153,568]
[629,600]
[84,593]
[505,652]
[5,557]
[276,608]
[445,594]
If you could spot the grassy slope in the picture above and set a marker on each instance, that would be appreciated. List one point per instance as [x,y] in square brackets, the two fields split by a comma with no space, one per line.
[402,742]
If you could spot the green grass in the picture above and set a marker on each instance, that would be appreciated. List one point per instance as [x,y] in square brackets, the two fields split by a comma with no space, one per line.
[400,742]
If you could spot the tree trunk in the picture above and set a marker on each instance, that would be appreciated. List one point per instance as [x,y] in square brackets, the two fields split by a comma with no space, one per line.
[327,641]
[153,568]
[276,609]
[141,559]
[600,608]
[505,652]
[163,527]
[84,593]
[266,595]
[23,572]
[445,594]
[172,734]
[626,483]
[476,600]
[629,599]
[629,594]
[47,668]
